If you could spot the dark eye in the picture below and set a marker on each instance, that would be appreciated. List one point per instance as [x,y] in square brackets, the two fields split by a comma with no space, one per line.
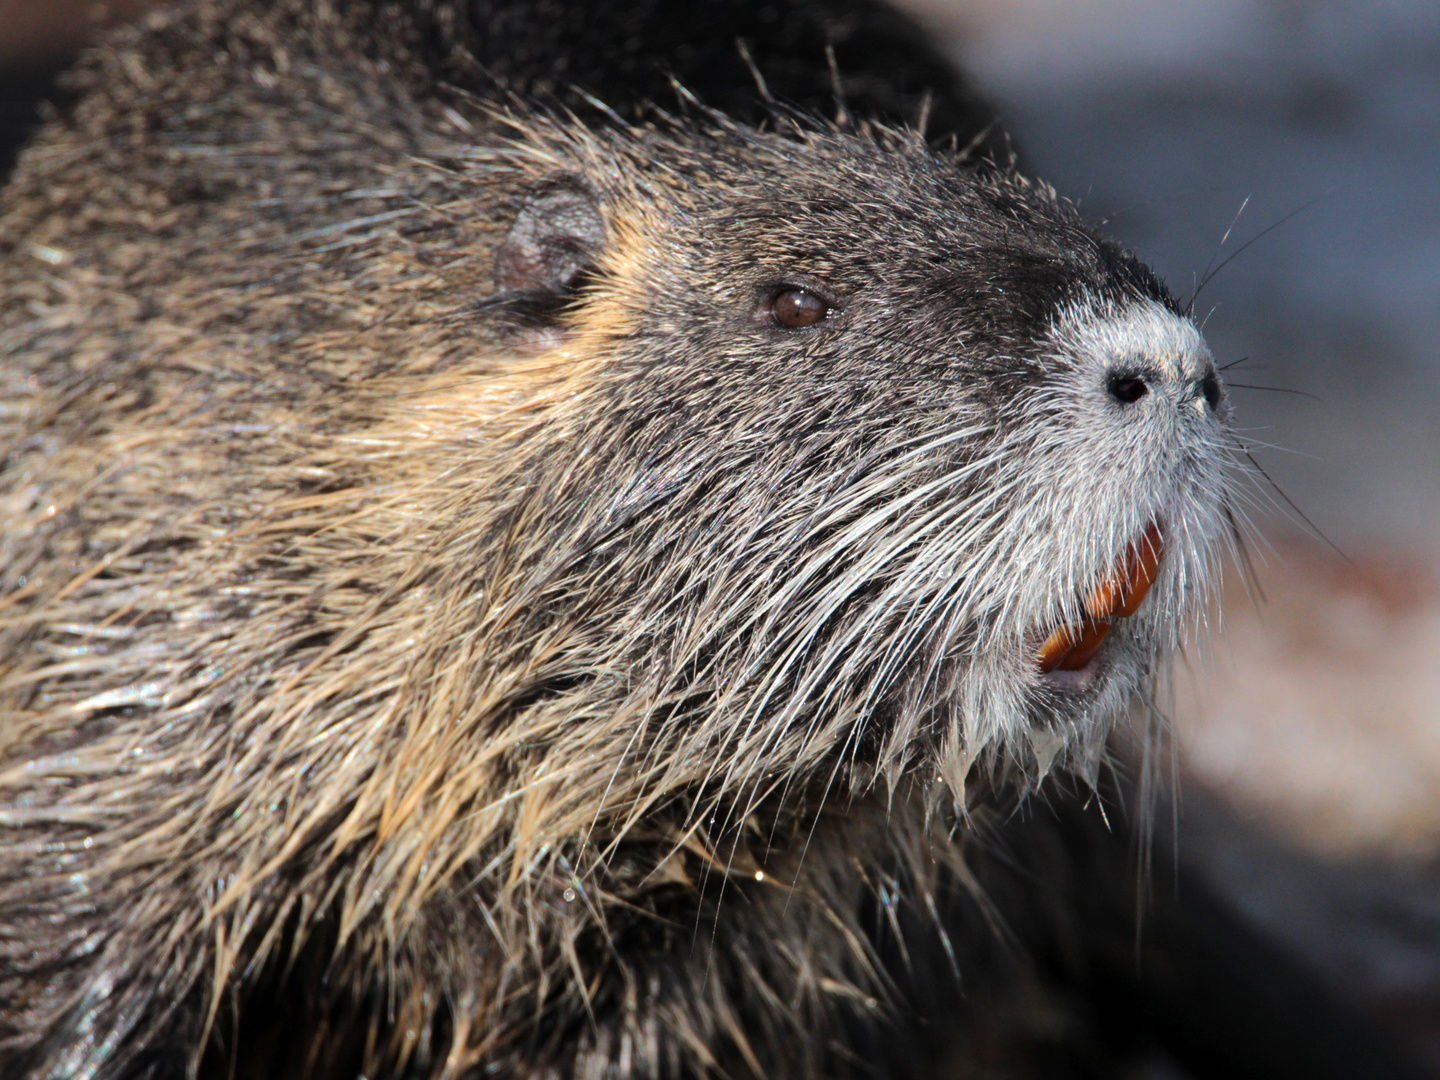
[793,308]
[1127,389]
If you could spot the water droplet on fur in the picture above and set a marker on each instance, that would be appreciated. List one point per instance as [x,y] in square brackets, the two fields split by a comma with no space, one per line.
[569,896]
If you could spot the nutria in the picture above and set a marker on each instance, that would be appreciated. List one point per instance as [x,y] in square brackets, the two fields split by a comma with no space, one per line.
[507,567]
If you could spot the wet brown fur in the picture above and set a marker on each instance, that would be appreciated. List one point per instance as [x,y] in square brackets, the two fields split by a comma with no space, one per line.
[319,757]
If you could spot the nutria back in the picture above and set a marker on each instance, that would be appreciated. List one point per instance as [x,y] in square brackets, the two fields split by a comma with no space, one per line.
[502,578]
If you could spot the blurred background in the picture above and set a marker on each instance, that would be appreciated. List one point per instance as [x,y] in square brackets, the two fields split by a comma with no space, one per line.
[1292,148]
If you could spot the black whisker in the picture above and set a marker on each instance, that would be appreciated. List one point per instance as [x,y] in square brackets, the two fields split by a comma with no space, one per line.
[1205,274]
[1210,276]
[1274,390]
[1291,504]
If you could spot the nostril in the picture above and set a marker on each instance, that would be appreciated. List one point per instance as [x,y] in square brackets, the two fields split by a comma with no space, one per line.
[1210,387]
[1127,389]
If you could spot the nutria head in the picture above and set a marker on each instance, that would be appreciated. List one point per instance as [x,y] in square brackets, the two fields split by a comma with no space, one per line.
[882,453]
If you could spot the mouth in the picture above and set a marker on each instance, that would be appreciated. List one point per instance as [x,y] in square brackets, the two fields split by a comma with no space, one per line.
[1072,646]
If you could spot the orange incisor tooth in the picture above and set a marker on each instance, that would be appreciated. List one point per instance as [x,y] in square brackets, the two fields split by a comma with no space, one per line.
[1092,636]
[1070,647]
[1121,595]
[1054,650]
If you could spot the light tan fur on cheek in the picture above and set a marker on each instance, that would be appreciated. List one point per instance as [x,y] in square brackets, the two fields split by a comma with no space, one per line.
[440,435]
[495,396]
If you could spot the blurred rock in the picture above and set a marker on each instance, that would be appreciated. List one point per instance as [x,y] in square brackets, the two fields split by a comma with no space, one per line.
[1317,708]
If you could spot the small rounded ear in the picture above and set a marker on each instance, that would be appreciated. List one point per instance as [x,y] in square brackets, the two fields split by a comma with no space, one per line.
[550,248]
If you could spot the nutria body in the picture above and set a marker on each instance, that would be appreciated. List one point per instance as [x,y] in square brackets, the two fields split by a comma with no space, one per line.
[491,591]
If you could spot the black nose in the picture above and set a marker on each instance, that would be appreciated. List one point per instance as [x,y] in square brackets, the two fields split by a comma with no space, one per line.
[1210,387]
[1127,388]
